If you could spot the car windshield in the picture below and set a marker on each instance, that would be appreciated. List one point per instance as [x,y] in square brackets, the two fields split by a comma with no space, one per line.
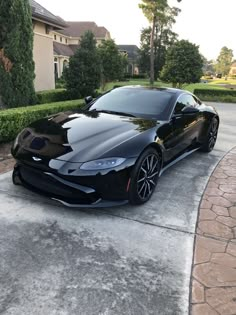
[139,102]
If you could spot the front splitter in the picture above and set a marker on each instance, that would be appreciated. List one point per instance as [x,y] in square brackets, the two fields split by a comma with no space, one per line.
[98,204]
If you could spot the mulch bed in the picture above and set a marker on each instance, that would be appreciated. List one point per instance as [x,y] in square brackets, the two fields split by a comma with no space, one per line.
[5,151]
[6,160]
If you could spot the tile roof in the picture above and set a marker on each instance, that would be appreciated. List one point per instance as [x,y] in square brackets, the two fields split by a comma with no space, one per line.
[64,50]
[40,12]
[77,29]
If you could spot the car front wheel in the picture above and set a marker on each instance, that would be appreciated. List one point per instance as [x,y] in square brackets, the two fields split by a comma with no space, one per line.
[144,177]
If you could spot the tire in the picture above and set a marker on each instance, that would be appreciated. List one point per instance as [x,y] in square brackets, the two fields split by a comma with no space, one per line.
[211,137]
[144,177]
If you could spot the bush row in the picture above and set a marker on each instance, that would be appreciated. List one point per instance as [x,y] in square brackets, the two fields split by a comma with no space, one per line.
[223,99]
[212,92]
[12,121]
[134,76]
[58,95]
[227,96]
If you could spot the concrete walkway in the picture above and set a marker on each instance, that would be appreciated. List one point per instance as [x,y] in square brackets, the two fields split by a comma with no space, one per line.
[214,270]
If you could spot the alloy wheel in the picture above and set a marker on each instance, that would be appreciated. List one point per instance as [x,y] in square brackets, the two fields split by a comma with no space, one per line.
[213,134]
[148,176]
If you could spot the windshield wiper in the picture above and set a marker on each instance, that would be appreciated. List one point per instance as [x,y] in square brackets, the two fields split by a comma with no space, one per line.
[113,112]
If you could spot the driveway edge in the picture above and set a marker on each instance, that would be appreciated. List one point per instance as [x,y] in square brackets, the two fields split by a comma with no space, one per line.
[213,281]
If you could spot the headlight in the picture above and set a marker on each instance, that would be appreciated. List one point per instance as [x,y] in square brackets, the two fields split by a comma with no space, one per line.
[102,164]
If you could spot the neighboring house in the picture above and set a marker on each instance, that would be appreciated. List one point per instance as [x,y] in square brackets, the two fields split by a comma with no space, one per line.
[55,41]
[132,53]
[66,41]
[44,23]
[232,71]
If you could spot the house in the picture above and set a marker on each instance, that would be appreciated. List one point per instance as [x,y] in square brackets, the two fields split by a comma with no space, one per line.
[67,40]
[232,71]
[55,41]
[132,53]
[44,24]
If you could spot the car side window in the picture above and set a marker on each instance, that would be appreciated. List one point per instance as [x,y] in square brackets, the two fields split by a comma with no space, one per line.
[190,100]
[198,102]
[184,101]
[180,105]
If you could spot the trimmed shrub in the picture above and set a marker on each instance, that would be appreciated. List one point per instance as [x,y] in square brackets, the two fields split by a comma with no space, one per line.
[12,121]
[227,96]
[53,96]
[223,99]
[82,77]
[212,92]
[135,76]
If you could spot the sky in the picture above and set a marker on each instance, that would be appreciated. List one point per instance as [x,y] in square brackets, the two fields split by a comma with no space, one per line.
[210,24]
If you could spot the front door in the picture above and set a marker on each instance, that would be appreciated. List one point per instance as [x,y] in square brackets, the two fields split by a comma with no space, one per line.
[183,128]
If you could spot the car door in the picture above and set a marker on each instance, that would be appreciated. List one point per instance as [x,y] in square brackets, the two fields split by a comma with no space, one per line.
[182,128]
[192,121]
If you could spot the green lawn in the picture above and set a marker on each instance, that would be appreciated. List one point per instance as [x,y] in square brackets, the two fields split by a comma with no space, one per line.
[188,87]
[223,81]
[205,86]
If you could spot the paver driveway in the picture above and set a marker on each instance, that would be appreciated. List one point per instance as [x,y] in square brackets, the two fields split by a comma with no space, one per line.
[129,260]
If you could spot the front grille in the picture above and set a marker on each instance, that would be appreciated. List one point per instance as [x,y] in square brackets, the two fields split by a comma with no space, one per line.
[49,186]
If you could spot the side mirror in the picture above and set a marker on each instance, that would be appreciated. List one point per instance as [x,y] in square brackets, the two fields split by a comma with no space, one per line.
[189,110]
[88,99]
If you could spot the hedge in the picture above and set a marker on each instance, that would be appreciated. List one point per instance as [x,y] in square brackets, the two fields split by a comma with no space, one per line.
[212,92]
[57,95]
[12,121]
[226,96]
[222,99]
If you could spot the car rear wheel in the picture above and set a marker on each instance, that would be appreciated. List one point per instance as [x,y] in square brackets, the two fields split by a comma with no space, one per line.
[144,177]
[211,138]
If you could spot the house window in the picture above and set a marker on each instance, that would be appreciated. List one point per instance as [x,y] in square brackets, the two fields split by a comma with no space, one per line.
[56,69]
[65,64]
[61,39]
[55,37]
[48,29]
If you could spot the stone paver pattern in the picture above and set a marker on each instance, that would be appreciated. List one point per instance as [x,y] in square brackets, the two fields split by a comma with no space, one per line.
[214,269]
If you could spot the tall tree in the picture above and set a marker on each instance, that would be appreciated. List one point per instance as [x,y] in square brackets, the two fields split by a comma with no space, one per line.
[224,61]
[164,38]
[161,46]
[113,63]
[208,66]
[183,64]
[83,74]
[155,11]
[16,54]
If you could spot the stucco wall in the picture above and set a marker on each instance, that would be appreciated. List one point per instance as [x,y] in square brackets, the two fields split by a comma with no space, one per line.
[44,62]
[39,27]
[73,41]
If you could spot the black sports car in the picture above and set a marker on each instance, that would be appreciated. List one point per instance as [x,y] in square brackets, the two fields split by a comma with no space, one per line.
[115,148]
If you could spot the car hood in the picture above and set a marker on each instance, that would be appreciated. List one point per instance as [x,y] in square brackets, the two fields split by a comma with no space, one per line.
[81,136]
